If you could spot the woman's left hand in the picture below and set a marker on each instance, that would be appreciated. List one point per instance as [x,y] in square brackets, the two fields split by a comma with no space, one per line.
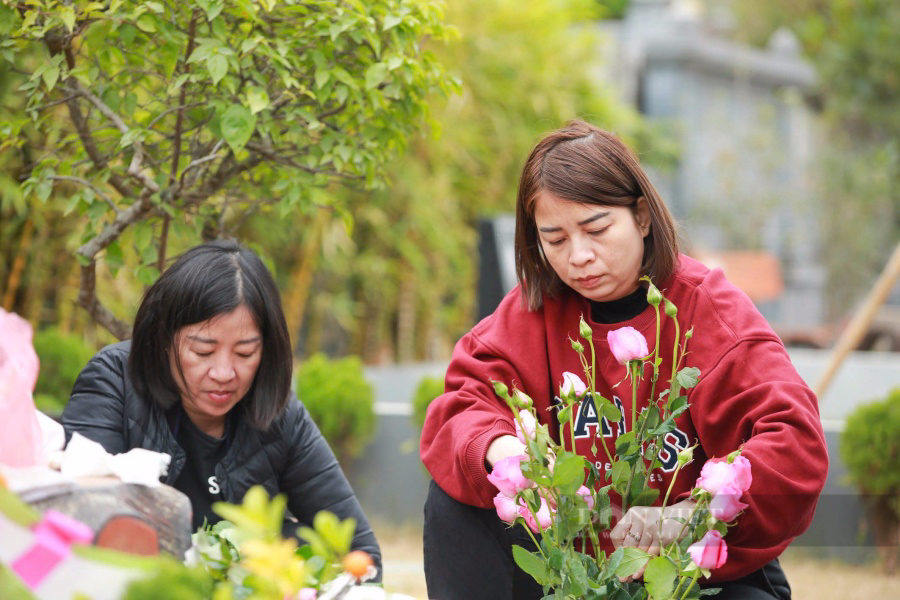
[648,528]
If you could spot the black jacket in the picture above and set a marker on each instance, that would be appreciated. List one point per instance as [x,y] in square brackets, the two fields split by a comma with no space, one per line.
[291,457]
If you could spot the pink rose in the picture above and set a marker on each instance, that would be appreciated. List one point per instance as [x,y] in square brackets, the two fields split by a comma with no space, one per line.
[20,432]
[627,343]
[726,504]
[585,493]
[717,474]
[710,552]
[507,509]
[544,516]
[572,384]
[529,424]
[507,476]
[307,594]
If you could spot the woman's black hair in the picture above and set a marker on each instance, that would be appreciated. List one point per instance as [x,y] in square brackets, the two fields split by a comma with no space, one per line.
[209,280]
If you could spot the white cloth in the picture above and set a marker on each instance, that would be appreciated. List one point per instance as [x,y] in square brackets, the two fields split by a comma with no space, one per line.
[87,458]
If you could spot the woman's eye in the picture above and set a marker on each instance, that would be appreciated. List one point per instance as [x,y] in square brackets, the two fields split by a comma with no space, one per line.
[242,355]
[556,242]
[202,353]
[598,231]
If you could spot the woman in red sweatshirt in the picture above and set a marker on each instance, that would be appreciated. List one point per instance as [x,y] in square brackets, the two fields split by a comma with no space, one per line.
[589,225]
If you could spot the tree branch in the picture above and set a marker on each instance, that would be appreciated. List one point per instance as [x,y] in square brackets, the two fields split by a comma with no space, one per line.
[87,184]
[87,293]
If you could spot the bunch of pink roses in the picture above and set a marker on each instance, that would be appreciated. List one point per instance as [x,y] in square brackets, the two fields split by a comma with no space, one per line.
[559,494]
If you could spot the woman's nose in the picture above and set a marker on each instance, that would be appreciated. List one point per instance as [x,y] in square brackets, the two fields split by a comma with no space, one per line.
[222,369]
[581,252]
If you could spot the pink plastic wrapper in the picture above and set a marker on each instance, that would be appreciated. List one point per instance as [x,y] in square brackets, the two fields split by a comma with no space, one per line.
[20,433]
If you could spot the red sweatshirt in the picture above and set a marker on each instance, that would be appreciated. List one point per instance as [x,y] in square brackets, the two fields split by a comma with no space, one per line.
[749,396]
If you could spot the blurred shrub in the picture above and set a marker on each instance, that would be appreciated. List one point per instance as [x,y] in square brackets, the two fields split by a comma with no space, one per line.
[870,447]
[62,357]
[428,389]
[339,400]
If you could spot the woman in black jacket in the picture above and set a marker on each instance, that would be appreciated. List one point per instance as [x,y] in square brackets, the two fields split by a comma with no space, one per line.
[206,379]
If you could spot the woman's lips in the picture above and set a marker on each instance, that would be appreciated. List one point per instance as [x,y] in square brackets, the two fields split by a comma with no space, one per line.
[589,282]
[219,397]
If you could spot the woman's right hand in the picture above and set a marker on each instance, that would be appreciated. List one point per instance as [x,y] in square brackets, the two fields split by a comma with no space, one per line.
[503,447]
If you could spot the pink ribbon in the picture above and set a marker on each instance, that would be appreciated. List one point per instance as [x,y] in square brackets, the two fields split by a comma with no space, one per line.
[53,537]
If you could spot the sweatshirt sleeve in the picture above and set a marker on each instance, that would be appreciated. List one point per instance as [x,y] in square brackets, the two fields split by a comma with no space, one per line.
[314,481]
[509,346]
[754,399]
[96,406]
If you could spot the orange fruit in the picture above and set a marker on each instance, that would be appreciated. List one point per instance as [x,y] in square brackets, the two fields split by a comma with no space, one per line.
[357,563]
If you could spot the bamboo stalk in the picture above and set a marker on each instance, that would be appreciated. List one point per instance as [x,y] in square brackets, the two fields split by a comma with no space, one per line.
[861,321]
[18,266]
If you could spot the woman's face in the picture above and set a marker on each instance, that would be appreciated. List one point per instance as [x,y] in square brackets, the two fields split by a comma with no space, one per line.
[219,359]
[596,250]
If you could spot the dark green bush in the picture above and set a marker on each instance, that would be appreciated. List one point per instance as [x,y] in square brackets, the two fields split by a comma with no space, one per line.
[870,445]
[870,448]
[340,401]
[62,357]
[428,389]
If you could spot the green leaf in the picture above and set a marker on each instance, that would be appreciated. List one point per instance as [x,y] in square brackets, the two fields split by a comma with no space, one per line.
[375,74]
[146,23]
[238,124]
[67,16]
[633,560]
[50,75]
[688,377]
[611,411]
[257,99]
[568,471]
[217,65]
[659,578]
[531,563]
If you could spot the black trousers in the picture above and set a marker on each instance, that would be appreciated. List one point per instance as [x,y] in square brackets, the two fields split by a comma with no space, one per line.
[468,556]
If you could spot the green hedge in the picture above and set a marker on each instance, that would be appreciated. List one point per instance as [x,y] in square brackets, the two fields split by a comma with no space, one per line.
[870,448]
[340,400]
[62,357]
[428,389]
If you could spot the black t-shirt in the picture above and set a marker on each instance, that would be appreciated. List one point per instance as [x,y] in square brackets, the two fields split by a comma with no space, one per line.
[623,309]
[197,479]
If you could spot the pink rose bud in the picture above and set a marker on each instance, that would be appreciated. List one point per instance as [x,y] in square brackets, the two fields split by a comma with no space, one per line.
[507,476]
[544,516]
[585,493]
[717,474]
[710,552]
[507,509]
[726,504]
[626,344]
[526,431]
[522,399]
[742,476]
[572,384]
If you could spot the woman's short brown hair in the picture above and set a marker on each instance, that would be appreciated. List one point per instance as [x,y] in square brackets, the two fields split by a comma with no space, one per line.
[584,163]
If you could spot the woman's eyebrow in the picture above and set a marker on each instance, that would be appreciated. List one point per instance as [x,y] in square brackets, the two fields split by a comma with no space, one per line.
[590,219]
[203,340]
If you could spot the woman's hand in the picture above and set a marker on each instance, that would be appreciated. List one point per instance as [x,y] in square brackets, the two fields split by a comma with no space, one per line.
[503,447]
[640,528]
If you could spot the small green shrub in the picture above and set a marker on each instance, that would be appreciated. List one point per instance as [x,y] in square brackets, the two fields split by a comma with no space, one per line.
[870,448]
[870,445]
[339,400]
[428,389]
[62,357]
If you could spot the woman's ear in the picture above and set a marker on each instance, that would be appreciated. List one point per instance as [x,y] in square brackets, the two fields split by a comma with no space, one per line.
[642,215]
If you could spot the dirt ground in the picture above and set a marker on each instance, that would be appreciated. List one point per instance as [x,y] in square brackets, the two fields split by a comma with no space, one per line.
[810,578]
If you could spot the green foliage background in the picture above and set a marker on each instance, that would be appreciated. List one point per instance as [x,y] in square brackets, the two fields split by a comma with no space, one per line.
[340,400]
